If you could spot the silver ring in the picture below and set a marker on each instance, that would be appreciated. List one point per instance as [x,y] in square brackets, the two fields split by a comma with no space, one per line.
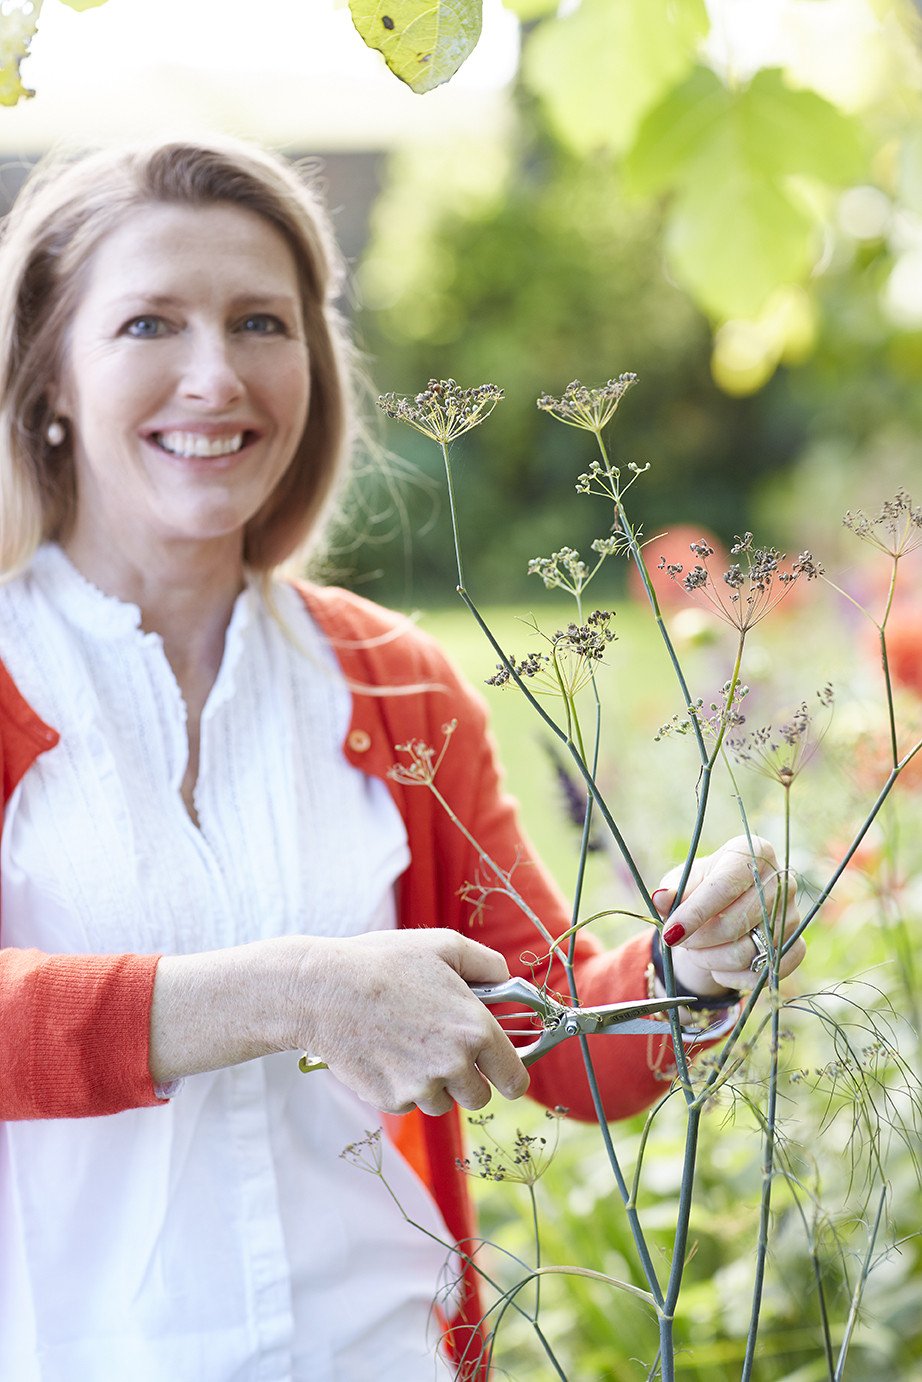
[760,958]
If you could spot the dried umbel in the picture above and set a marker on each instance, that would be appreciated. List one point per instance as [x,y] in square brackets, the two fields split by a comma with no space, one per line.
[896,529]
[570,663]
[525,1161]
[723,714]
[423,761]
[588,409]
[443,410]
[749,588]
[781,753]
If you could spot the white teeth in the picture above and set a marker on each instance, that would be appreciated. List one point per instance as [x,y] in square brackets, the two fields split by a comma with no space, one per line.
[194,444]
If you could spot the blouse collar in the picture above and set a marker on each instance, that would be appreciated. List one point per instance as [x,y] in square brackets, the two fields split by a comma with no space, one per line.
[103,616]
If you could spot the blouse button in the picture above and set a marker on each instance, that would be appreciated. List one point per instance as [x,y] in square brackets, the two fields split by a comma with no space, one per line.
[359,740]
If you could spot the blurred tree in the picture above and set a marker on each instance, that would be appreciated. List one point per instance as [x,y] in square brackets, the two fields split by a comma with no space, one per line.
[669,200]
[524,265]
[743,122]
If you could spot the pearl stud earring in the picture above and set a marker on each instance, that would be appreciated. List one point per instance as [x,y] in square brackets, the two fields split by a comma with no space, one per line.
[54,432]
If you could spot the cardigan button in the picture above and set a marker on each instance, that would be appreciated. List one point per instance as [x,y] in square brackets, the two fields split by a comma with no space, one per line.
[359,740]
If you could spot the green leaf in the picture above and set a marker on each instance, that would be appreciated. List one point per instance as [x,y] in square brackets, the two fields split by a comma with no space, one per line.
[83,4]
[799,132]
[676,132]
[17,30]
[423,42]
[599,70]
[734,247]
[766,125]
[530,9]
[737,232]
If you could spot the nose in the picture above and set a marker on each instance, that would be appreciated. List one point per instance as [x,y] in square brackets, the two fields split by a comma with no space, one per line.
[210,374]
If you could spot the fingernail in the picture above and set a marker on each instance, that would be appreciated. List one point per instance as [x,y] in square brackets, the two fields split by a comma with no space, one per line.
[659,892]
[674,933]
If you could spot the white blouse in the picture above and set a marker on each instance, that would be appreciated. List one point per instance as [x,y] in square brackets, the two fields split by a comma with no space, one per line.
[220,1237]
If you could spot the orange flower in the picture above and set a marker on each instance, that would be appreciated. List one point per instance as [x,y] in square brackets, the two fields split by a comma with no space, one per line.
[904,646]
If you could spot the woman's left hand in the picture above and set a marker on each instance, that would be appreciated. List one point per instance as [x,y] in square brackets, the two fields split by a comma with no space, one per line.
[710,931]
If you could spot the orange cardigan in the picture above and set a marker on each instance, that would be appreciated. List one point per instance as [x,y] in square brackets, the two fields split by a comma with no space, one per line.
[75,1029]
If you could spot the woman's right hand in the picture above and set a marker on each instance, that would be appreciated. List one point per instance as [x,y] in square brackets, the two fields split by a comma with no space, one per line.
[392,1015]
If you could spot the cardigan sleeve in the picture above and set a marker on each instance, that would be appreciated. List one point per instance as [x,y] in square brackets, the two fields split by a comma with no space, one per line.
[74,1034]
[74,1029]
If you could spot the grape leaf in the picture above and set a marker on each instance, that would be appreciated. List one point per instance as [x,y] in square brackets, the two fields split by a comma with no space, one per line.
[675,133]
[423,42]
[600,69]
[737,231]
[732,250]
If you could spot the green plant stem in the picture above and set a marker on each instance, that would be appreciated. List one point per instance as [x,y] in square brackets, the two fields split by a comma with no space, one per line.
[768,1133]
[733,1037]
[453,512]
[558,1270]
[630,1201]
[582,767]
[598,1106]
[690,855]
[537,1232]
[587,824]
[816,1265]
[859,1289]
[637,554]
[506,1300]
[642,1146]
[491,864]
[885,661]
[844,862]
[683,1217]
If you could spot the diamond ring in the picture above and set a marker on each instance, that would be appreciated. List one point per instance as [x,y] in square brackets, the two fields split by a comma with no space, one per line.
[760,958]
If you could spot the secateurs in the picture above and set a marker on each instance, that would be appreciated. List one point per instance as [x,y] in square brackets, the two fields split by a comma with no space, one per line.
[633,1018]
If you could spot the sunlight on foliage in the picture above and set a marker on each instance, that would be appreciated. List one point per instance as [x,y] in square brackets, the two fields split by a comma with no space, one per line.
[600,69]
[18,23]
[17,28]
[423,43]
[715,147]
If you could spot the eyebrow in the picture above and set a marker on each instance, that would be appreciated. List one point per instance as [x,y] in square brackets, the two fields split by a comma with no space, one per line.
[257,297]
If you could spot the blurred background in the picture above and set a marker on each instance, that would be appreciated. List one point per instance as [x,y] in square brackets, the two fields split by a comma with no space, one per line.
[505,227]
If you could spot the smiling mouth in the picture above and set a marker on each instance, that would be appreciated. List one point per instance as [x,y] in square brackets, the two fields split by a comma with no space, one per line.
[195,445]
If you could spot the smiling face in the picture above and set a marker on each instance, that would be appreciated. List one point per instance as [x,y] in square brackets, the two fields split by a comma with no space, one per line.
[186,383]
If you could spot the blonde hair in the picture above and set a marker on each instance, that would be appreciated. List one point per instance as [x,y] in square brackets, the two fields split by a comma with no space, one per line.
[66,209]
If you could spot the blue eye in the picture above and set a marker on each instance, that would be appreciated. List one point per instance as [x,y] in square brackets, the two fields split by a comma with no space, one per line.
[263,324]
[146,328]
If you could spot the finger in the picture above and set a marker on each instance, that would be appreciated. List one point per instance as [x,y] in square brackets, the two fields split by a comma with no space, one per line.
[749,911]
[731,965]
[470,1090]
[728,884]
[663,899]
[499,1063]
[478,964]
[437,1103]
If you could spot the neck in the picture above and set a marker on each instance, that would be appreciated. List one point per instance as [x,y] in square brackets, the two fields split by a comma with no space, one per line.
[185,592]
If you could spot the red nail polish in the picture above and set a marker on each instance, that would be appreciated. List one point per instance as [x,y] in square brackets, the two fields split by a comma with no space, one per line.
[655,895]
[674,933]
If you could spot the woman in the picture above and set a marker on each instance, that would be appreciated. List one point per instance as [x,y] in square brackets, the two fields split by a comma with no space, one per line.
[201,860]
